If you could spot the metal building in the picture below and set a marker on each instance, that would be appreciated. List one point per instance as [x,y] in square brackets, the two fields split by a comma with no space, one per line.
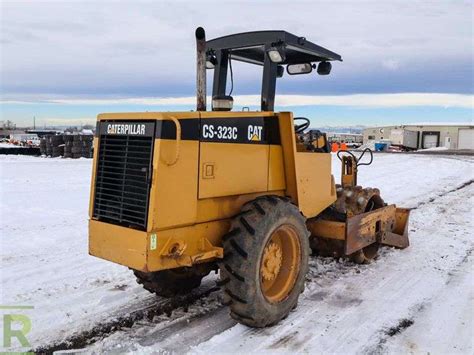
[429,135]
[355,138]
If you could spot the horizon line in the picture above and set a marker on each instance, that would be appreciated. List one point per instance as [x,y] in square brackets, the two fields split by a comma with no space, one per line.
[409,99]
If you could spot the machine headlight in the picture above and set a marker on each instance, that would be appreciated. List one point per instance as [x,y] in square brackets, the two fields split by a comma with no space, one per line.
[222,103]
[211,61]
[276,55]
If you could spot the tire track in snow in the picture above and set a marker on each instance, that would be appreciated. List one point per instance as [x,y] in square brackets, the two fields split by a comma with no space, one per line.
[392,289]
[433,199]
[215,313]
[323,273]
[404,323]
[166,307]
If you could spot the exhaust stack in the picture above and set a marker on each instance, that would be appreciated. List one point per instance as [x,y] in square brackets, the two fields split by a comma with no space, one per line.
[201,69]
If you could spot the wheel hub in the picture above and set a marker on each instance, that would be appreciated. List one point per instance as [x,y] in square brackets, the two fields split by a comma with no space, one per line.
[272,258]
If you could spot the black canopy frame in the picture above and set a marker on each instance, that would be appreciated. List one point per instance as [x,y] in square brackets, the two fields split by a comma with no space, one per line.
[252,47]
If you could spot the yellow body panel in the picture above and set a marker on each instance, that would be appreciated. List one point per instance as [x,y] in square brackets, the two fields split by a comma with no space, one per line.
[174,188]
[221,175]
[218,208]
[314,182]
[197,186]
[288,144]
[94,172]
[276,169]
[122,245]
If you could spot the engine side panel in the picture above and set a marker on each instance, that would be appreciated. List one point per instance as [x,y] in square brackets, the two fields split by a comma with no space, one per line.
[199,181]
[315,185]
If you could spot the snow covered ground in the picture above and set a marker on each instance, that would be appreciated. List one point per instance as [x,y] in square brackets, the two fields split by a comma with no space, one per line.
[416,300]
[7,145]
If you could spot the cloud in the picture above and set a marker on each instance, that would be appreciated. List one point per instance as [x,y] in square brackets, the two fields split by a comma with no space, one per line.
[54,121]
[391,64]
[381,100]
[358,100]
[140,48]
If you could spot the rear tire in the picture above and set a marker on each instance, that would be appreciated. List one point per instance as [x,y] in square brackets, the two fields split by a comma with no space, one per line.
[265,261]
[169,283]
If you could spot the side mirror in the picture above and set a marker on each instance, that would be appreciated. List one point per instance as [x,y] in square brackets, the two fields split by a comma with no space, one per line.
[324,68]
[297,69]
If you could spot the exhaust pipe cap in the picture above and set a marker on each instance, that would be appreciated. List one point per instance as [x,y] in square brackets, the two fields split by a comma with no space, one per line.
[200,33]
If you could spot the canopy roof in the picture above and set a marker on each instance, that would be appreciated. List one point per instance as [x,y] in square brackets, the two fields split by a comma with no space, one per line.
[250,47]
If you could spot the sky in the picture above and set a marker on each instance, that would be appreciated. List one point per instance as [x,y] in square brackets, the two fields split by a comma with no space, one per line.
[63,62]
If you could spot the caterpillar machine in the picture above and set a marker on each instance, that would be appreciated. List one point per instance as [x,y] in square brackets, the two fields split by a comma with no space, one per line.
[176,195]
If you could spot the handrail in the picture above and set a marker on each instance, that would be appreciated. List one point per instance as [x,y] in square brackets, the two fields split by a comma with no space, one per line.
[357,159]
[178,140]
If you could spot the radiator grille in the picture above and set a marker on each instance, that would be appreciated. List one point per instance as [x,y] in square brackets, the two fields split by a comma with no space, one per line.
[123,177]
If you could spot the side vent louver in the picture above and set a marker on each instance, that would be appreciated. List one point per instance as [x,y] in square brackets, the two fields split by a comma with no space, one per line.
[123,173]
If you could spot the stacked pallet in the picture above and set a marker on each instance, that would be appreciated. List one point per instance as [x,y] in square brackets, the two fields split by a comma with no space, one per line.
[68,140]
[76,149]
[43,146]
[67,145]
[48,147]
[87,141]
[57,146]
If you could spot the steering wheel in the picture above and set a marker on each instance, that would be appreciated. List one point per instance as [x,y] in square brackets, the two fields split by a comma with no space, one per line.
[299,128]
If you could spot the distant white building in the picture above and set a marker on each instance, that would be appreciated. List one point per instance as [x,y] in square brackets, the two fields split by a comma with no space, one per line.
[87,132]
[344,137]
[428,135]
[23,137]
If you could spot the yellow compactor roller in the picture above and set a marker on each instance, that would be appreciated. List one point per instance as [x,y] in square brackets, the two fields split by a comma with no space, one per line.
[176,195]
